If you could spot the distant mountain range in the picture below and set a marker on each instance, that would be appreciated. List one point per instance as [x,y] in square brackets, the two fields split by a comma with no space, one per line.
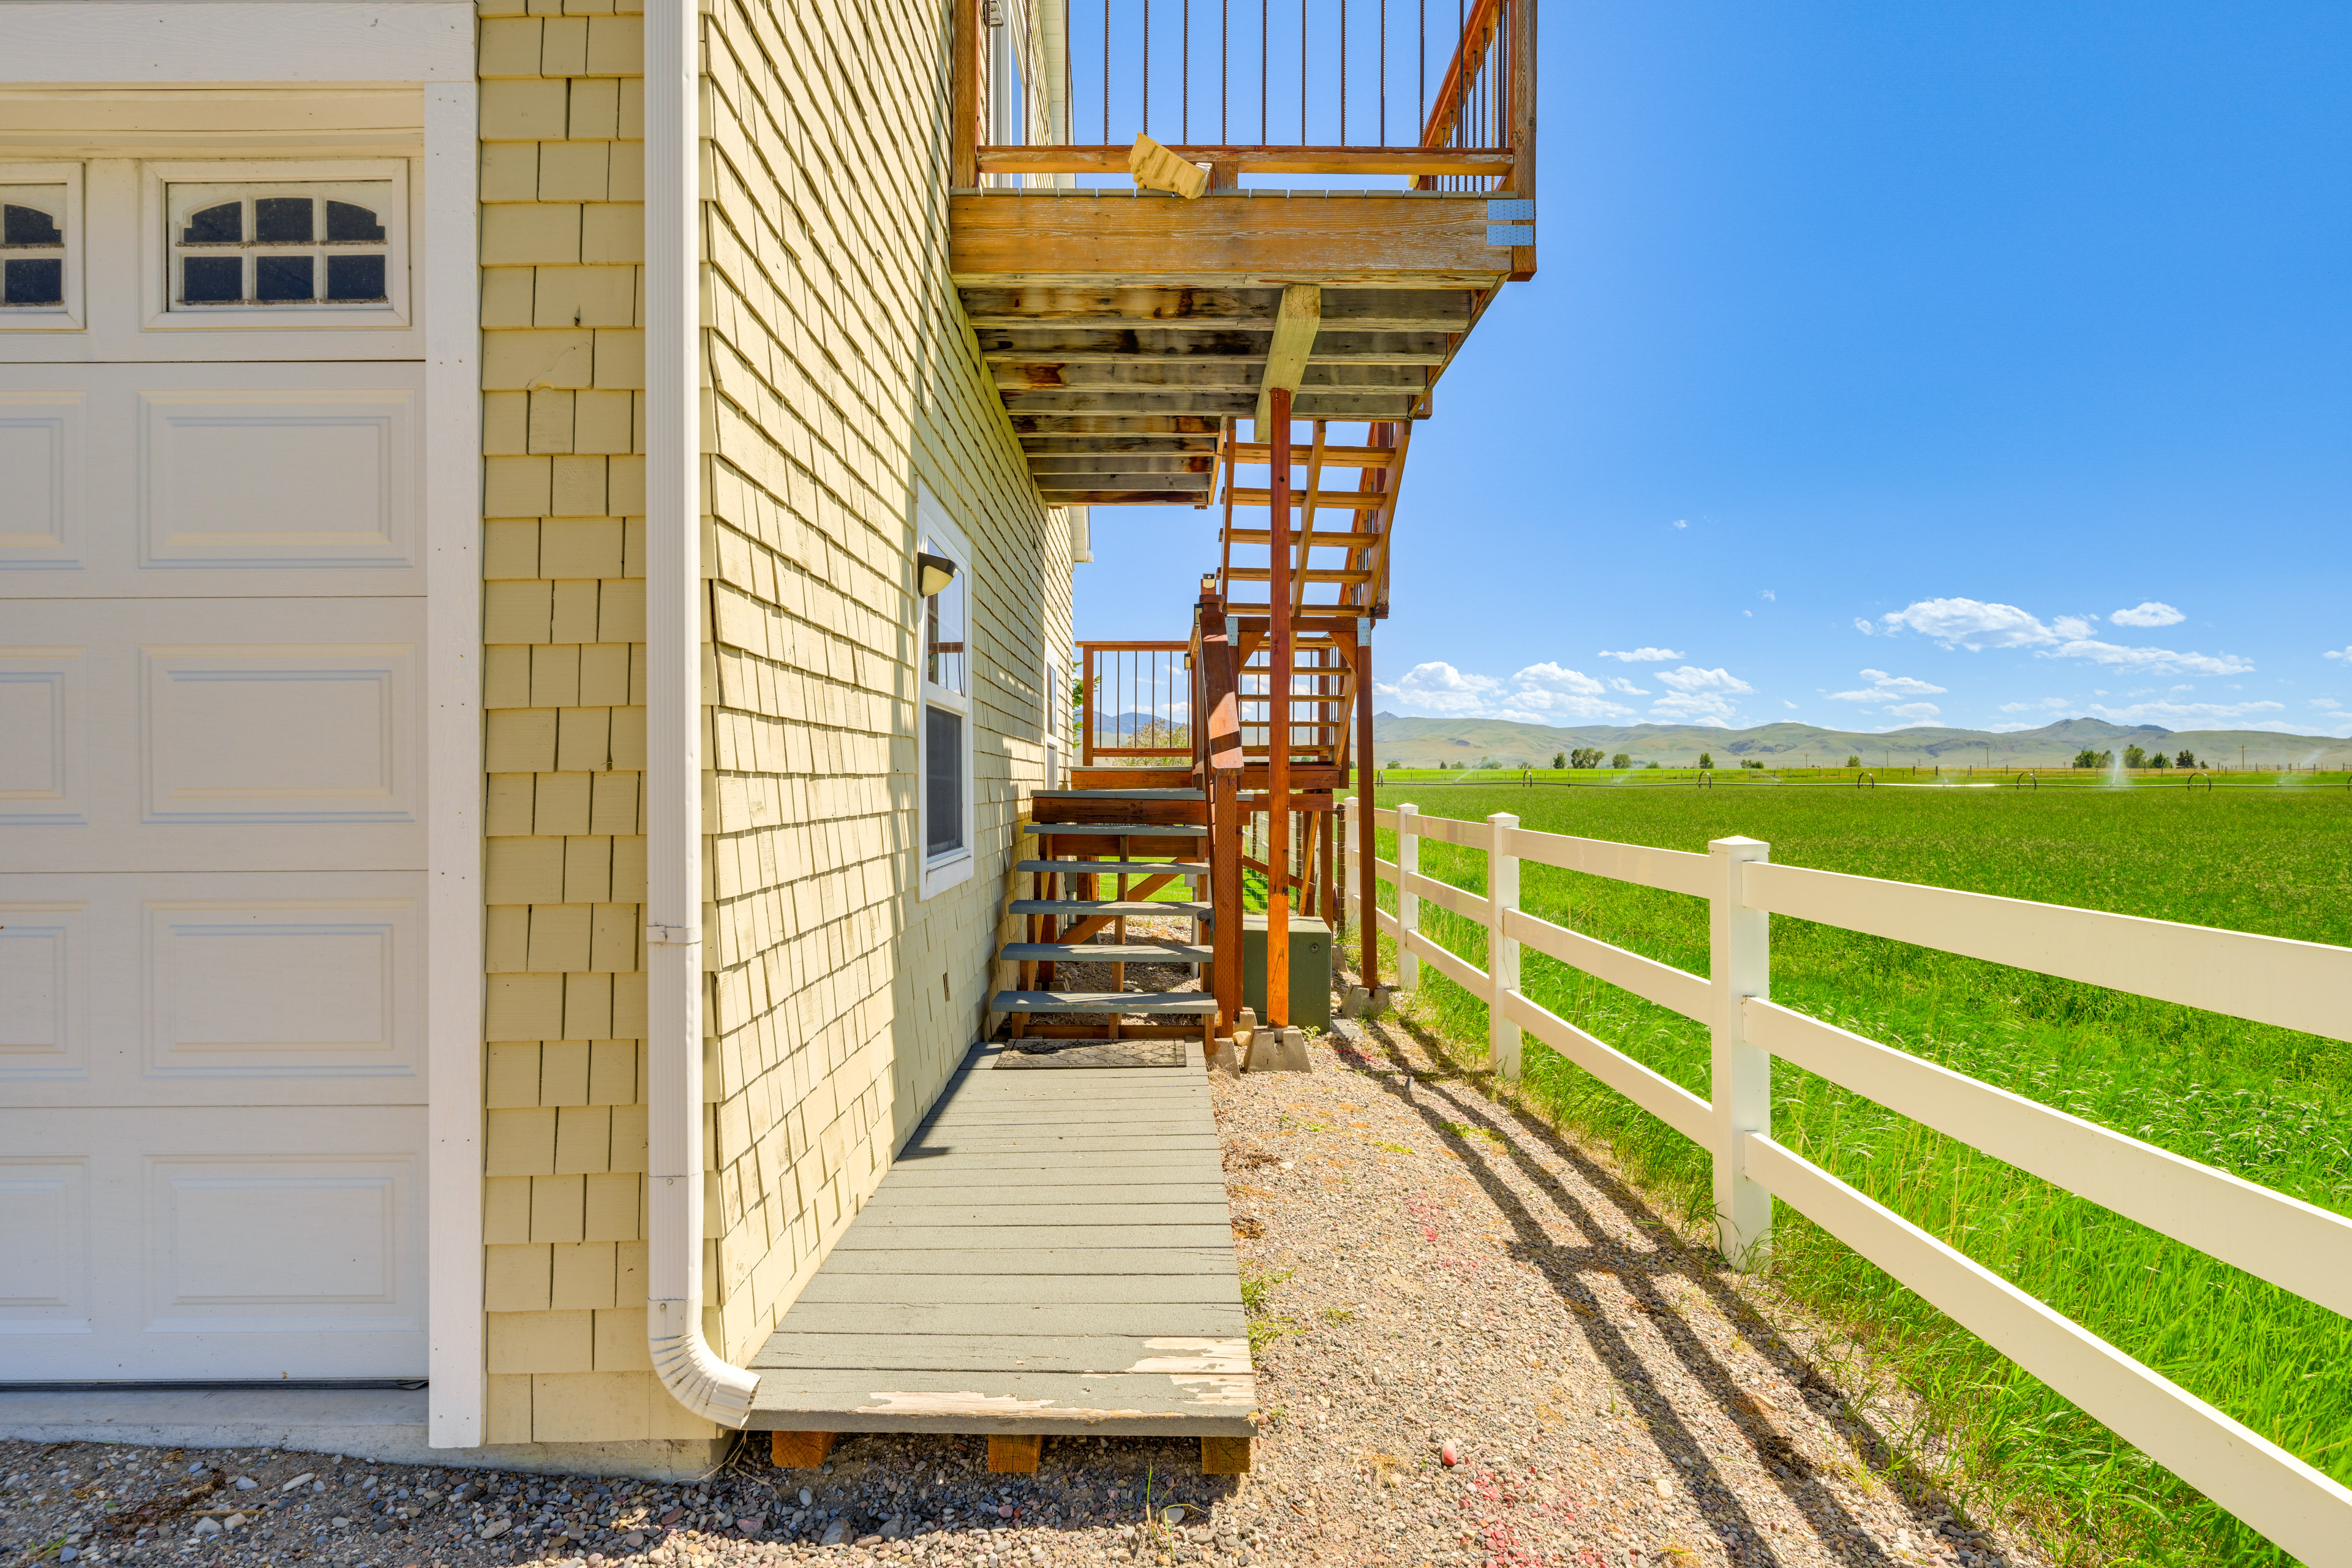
[1426,743]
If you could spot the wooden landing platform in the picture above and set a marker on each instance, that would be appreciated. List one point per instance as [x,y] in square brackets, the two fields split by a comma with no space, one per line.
[1051,1254]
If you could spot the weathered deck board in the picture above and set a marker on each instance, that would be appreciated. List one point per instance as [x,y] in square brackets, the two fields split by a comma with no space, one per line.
[1050,1253]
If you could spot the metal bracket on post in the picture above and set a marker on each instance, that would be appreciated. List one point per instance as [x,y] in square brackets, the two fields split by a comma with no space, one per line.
[1408,903]
[1502,952]
[1739,965]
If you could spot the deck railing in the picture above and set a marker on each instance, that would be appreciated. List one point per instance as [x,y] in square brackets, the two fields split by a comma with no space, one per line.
[2292,984]
[1441,92]
[1135,703]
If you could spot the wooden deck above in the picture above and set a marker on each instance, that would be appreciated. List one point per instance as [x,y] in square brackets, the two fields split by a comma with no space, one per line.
[1051,1253]
[1123,329]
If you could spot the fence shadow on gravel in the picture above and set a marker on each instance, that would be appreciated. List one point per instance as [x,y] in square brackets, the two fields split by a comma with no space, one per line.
[1455,1097]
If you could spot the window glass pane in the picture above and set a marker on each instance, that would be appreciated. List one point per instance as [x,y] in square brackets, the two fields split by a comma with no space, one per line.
[282,278]
[222,225]
[355,278]
[24,224]
[34,281]
[283,220]
[205,278]
[942,781]
[348,222]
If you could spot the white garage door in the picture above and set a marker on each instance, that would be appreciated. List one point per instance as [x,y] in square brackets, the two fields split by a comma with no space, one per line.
[212,1062]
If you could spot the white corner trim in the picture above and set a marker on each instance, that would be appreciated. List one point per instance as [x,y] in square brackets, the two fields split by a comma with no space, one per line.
[696,1376]
[215,42]
[453,510]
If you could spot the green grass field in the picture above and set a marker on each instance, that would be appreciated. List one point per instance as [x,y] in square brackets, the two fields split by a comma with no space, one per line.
[2272,1106]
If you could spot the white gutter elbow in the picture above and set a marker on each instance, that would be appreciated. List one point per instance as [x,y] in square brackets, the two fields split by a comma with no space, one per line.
[695,1374]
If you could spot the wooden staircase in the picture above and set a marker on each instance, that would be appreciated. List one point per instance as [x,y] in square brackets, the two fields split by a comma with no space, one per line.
[1107,838]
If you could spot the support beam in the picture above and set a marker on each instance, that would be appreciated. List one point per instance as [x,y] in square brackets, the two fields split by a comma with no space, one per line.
[1278,660]
[1369,926]
[1295,326]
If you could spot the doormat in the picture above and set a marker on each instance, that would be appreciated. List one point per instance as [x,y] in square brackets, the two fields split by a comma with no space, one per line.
[1095,1054]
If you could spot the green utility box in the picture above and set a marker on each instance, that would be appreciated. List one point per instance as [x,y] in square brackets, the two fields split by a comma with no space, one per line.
[1310,970]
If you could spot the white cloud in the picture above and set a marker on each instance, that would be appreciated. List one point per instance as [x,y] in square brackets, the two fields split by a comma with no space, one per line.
[1970,624]
[1698,696]
[1785,703]
[1643,655]
[2008,726]
[1976,626]
[1619,683]
[2053,703]
[2148,613]
[1884,688]
[1681,522]
[1442,691]
[1864,627]
[2181,715]
[2342,653]
[1768,593]
[1917,712]
[2152,661]
[1540,694]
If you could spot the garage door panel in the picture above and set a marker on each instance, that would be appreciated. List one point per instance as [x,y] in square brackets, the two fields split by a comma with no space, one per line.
[45,1263]
[212,989]
[265,478]
[287,733]
[43,710]
[169,734]
[201,480]
[226,1243]
[43,435]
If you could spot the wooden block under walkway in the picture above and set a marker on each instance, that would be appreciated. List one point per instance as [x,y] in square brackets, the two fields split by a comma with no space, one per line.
[1224,1455]
[1015,1455]
[800,1450]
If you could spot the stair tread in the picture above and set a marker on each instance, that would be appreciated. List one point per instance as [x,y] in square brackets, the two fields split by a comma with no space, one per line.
[1106,907]
[1118,794]
[1104,1002]
[1122,829]
[1102,953]
[1113,867]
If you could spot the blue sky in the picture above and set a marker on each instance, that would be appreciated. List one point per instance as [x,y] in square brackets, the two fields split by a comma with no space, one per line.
[1965,364]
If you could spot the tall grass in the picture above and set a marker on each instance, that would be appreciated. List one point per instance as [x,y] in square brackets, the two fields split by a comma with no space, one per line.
[2270,1105]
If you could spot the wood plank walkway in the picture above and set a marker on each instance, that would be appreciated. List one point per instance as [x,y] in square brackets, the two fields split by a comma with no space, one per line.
[1050,1254]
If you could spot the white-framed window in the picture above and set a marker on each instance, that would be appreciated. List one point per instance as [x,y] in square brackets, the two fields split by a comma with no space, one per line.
[40,247]
[261,243]
[943,734]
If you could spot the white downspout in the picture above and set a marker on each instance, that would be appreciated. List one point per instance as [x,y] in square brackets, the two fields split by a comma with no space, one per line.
[694,1374]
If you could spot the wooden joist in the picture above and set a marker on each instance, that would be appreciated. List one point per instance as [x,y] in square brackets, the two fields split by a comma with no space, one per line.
[1174,308]
[1364,238]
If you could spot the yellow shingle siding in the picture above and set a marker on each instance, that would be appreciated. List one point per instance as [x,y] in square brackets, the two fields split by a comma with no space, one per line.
[563,691]
[839,374]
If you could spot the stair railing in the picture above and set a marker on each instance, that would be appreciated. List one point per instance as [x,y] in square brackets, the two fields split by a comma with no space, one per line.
[1133,703]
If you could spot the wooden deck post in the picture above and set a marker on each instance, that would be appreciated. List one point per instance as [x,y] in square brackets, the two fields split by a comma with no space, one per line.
[965,101]
[1277,748]
[1369,926]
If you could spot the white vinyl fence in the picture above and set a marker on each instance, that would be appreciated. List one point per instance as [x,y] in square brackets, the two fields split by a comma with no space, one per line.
[2295,984]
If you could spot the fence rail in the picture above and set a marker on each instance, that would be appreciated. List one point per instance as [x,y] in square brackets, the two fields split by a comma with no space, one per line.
[2295,984]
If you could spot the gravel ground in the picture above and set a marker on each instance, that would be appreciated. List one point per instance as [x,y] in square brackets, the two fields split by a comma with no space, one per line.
[1475,1346]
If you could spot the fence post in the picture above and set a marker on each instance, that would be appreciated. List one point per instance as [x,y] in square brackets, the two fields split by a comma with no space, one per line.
[1739,965]
[1342,842]
[1502,952]
[1408,904]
